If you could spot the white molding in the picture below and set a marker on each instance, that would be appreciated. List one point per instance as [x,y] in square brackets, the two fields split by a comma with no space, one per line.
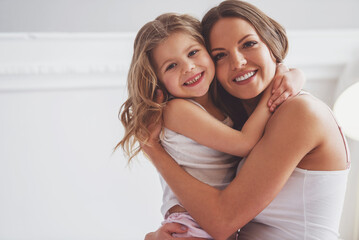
[37,61]
[46,69]
[32,60]
[63,53]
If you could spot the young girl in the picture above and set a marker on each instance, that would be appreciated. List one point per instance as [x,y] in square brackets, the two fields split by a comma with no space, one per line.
[169,54]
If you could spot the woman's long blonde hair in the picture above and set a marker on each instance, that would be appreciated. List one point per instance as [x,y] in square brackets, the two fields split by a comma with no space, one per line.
[140,108]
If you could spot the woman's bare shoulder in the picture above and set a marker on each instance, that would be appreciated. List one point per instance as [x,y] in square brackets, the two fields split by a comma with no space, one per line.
[303,115]
[304,106]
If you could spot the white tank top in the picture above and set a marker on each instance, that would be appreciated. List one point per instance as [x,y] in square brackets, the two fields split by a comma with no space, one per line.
[308,207]
[207,165]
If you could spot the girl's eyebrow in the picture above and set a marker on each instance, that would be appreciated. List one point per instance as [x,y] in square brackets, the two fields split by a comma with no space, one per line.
[171,59]
[239,42]
[165,63]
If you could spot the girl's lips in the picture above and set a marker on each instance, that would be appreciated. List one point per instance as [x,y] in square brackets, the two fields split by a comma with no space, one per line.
[194,80]
[245,77]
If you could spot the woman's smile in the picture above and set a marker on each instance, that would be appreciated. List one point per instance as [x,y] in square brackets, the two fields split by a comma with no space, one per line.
[246,77]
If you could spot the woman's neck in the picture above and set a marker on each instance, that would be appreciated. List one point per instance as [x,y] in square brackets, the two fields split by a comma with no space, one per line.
[251,104]
[206,102]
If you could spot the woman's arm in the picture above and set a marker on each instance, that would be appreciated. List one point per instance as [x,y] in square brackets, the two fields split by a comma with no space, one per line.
[292,132]
[166,231]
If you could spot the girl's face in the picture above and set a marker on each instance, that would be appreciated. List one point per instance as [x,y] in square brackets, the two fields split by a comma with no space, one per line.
[184,66]
[244,64]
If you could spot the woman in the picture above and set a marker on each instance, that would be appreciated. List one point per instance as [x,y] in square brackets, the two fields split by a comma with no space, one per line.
[293,182]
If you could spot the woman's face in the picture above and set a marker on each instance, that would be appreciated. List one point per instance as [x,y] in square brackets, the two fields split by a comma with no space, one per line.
[244,64]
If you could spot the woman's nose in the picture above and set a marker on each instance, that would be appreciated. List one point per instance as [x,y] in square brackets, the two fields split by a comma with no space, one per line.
[238,60]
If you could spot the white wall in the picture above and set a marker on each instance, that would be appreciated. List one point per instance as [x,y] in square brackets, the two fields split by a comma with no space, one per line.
[60,94]
[58,177]
[128,16]
[59,99]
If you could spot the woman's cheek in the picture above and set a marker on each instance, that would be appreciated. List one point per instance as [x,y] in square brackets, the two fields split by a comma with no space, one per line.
[221,74]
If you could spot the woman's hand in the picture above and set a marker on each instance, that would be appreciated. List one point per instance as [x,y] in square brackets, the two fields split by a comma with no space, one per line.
[165,232]
[286,84]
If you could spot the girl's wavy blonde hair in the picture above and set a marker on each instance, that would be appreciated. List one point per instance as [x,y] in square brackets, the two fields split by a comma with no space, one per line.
[140,108]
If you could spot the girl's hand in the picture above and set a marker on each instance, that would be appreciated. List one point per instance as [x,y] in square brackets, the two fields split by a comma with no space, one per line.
[286,84]
[165,232]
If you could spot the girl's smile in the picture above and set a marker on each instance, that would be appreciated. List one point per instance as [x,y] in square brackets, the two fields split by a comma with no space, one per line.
[193,81]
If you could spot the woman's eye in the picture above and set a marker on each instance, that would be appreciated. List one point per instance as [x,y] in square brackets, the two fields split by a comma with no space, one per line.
[249,44]
[192,53]
[169,67]
[218,57]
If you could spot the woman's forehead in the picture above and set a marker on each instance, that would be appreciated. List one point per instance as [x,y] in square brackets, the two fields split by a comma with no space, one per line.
[229,30]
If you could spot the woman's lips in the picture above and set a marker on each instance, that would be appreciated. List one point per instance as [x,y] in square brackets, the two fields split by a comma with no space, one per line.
[245,78]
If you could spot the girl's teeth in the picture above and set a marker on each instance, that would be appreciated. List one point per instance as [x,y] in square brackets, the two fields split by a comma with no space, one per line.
[245,76]
[193,80]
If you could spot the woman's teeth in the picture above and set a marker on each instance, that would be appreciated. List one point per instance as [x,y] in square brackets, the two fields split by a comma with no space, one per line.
[193,80]
[245,76]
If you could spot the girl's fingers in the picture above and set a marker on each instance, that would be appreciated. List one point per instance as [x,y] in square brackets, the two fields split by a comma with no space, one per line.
[284,96]
[276,82]
[275,95]
[279,75]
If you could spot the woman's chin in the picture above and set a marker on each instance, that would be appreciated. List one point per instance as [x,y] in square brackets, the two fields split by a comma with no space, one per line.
[248,95]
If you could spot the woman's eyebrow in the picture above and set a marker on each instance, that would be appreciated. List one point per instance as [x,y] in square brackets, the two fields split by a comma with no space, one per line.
[239,42]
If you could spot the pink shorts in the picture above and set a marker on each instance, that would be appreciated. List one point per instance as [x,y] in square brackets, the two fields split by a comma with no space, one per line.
[194,230]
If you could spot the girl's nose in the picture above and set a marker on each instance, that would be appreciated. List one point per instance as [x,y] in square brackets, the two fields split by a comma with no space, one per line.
[188,66]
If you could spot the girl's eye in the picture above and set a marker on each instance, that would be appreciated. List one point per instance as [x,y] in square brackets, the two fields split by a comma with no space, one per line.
[249,44]
[169,67]
[192,53]
[218,57]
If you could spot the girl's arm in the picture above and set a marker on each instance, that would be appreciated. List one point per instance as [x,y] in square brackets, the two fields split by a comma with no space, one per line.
[190,120]
[287,84]
[261,177]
